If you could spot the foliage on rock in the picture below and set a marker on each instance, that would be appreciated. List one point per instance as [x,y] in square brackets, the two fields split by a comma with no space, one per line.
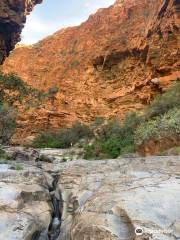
[163,103]
[114,139]
[64,138]
[162,126]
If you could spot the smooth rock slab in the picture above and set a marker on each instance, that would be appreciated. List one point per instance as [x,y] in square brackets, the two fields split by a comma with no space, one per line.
[108,200]
[102,200]
[24,203]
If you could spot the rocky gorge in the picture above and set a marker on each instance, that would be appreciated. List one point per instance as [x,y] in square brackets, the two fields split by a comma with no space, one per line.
[74,200]
[54,194]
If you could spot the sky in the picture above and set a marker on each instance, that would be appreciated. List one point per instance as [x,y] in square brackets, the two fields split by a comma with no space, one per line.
[53,15]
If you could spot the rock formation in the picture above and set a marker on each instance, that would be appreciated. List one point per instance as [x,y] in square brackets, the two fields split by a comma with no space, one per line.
[12,18]
[104,67]
[106,200]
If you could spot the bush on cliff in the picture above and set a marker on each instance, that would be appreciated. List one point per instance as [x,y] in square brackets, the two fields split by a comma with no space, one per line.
[165,102]
[63,138]
[13,82]
[162,117]
[162,126]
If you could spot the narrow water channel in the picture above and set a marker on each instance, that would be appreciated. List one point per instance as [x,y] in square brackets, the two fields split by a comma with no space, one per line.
[53,231]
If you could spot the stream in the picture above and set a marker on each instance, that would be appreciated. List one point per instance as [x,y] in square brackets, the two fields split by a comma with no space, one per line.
[53,231]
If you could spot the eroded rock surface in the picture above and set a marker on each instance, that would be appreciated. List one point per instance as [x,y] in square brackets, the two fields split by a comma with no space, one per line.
[110,199]
[101,200]
[12,18]
[24,203]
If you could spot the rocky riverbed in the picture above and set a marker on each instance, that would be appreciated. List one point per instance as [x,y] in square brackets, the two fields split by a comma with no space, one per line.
[48,198]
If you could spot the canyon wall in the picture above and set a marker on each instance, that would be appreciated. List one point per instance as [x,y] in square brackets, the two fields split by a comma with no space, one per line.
[115,62]
[12,18]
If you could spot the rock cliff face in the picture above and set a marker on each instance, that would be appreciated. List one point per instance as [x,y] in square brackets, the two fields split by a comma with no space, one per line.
[12,18]
[113,63]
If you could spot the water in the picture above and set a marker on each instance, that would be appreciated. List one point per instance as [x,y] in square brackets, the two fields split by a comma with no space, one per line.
[53,231]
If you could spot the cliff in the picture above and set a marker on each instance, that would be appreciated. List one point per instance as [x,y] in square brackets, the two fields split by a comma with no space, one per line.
[114,62]
[12,18]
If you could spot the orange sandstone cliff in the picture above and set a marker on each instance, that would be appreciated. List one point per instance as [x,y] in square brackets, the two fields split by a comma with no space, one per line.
[114,62]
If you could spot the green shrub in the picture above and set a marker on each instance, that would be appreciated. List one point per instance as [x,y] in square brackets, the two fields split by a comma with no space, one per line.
[80,131]
[64,138]
[162,126]
[7,124]
[165,102]
[114,139]
[13,82]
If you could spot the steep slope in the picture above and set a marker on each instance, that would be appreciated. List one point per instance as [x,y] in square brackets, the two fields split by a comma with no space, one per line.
[12,18]
[113,63]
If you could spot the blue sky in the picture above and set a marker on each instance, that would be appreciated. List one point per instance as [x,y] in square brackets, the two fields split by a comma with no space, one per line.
[53,15]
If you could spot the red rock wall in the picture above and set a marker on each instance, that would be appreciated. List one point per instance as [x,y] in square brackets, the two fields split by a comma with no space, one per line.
[106,66]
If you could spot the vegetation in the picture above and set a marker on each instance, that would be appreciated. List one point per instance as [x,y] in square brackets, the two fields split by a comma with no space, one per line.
[111,139]
[7,123]
[162,126]
[13,82]
[163,103]
[64,138]
[160,120]
[162,117]
[114,139]
[20,89]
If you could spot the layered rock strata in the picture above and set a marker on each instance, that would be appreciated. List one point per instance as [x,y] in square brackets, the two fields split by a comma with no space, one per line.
[115,62]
